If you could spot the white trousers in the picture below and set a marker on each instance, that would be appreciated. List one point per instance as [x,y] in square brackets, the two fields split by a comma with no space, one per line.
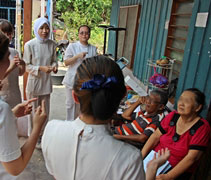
[35,104]
[72,109]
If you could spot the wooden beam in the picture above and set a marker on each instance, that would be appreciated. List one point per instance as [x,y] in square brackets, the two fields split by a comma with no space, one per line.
[181,14]
[27,29]
[179,26]
[175,49]
[177,38]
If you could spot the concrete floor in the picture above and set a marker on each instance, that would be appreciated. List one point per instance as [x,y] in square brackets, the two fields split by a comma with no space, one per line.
[36,169]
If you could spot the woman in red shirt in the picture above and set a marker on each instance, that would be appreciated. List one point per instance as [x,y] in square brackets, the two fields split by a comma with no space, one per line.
[184,133]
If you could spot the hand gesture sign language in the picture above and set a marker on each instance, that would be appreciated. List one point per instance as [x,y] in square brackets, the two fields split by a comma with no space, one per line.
[157,161]
[161,157]
[40,116]
[24,108]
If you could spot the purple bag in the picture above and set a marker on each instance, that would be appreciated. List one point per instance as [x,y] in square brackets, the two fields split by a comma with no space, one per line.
[158,80]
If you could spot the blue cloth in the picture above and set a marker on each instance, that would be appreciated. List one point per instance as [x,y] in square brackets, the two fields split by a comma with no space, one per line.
[99,81]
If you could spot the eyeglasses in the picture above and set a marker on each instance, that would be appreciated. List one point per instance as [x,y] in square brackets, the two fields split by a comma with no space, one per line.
[84,33]
[151,101]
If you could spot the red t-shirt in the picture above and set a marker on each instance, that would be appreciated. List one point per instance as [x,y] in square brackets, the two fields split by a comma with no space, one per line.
[197,137]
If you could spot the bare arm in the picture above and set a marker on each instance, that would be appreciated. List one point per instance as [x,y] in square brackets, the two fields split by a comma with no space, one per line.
[22,68]
[182,166]
[151,142]
[17,62]
[73,59]
[136,137]
[128,112]
[13,64]
[15,167]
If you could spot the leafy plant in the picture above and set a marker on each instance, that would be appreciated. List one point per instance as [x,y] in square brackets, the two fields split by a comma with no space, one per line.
[90,12]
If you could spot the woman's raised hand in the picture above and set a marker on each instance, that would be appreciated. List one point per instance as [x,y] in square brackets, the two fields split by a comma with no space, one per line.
[159,159]
[24,108]
[40,116]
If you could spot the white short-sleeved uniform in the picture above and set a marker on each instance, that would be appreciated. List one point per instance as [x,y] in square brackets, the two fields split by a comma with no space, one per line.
[9,145]
[12,92]
[72,50]
[73,109]
[74,150]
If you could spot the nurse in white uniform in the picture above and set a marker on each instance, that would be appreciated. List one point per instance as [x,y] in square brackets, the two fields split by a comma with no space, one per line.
[74,56]
[12,94]
[13,157]
[40,59]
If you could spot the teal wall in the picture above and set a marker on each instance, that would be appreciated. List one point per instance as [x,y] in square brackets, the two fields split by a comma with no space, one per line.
[151,42]
[196,70]
[151,35]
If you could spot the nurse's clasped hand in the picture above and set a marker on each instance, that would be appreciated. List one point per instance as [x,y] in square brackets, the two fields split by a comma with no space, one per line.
[23,108]
[46,69]
[55,69]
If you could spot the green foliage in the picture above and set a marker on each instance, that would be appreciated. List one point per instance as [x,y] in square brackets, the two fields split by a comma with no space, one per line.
[90,12]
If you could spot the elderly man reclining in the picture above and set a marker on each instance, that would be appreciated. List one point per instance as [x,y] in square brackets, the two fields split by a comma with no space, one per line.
[143,123]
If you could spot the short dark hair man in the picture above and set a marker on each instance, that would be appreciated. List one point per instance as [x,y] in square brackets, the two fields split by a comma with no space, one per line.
[143,123]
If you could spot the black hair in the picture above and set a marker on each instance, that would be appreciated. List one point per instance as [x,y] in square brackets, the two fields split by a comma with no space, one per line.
[199,97]
[6,26]
[104,102]
[4,44]
[89,29]
[163,96]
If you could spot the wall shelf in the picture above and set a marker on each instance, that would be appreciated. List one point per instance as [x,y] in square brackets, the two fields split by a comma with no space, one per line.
[165,69]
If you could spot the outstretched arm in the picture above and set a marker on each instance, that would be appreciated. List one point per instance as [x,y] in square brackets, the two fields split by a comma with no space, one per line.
[156,162]
[136,137]
[16,166]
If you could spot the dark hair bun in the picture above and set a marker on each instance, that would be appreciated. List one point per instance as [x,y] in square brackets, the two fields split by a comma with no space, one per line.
[104,104]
